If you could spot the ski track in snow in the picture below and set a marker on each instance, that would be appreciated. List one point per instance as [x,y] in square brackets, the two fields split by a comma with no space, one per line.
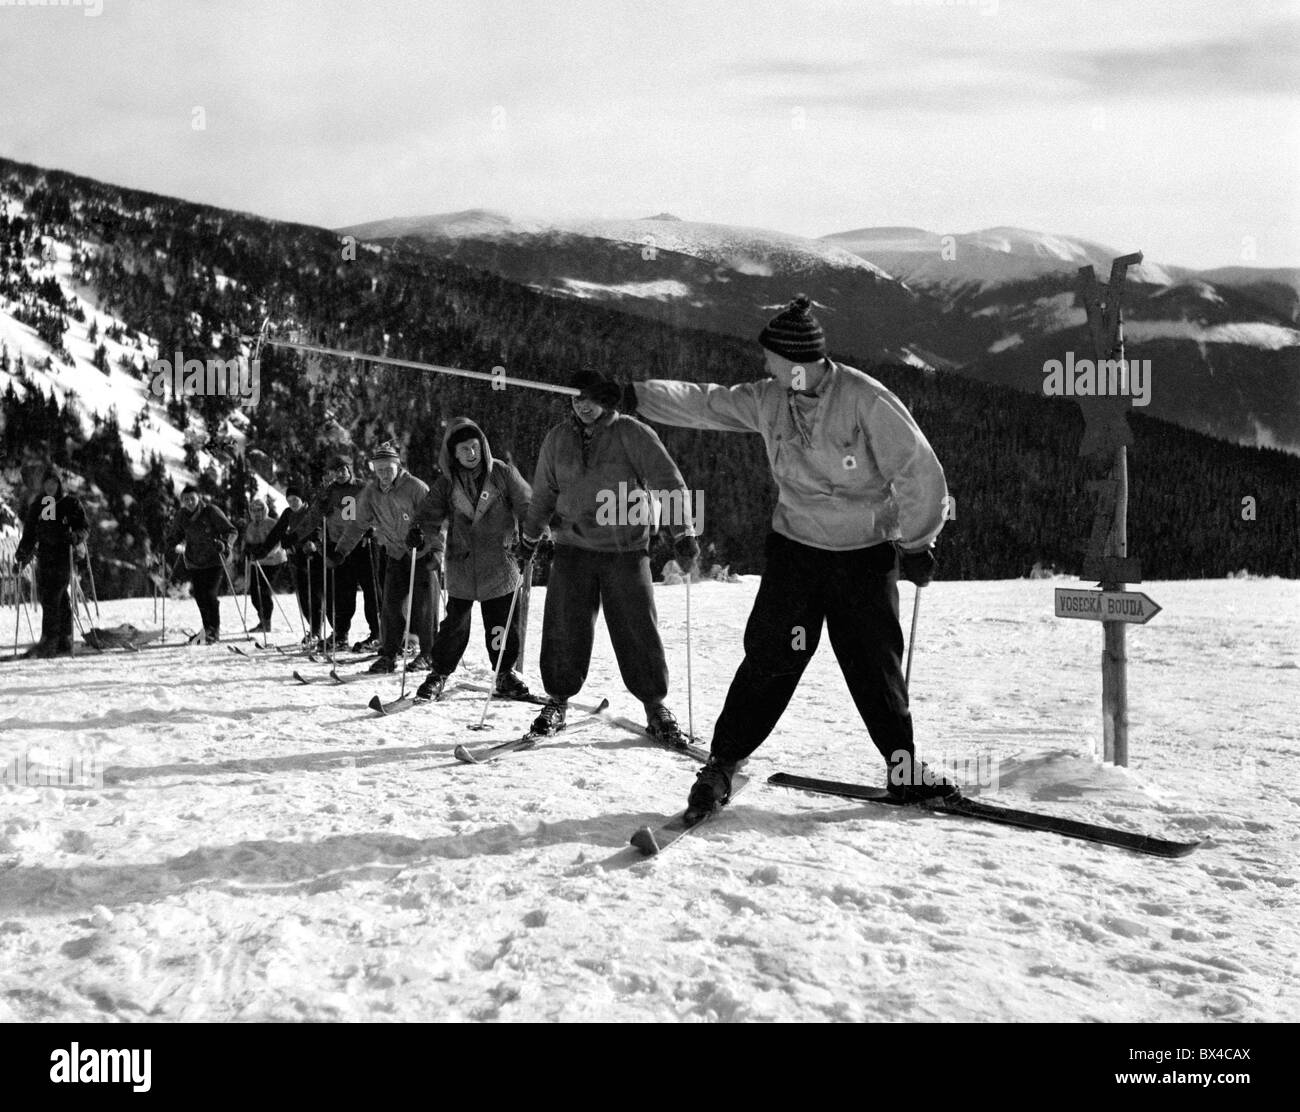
[266,851]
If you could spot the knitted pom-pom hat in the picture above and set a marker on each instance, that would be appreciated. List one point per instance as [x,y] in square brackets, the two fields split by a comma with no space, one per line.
[795,334]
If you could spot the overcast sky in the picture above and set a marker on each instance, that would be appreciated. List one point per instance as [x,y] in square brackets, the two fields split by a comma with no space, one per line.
[1171,126]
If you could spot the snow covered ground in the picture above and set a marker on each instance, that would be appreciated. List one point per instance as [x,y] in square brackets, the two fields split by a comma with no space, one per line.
[263,850]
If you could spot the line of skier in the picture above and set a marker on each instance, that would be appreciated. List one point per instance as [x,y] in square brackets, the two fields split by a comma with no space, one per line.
[861,498]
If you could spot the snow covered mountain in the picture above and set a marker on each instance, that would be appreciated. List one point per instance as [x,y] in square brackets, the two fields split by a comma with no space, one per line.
[714,277]
[982,259]
[994,304]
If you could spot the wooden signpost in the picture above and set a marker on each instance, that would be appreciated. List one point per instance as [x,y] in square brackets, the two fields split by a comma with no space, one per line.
[1107,434]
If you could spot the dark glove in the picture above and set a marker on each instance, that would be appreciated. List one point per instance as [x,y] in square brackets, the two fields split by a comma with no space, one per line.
[332,557]
[415,537]
[22,559]
[223,549]
[687,549]
[255,551]
[309,547]
[917,567]
[525,550]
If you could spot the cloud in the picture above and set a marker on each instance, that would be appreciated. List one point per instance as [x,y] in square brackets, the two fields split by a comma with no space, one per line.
[971,78]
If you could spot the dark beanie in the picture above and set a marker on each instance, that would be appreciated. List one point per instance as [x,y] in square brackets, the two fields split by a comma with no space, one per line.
[604,391]
[387,450]
[795,334]
[293,490]
[340,461]
[190,487]
[465,432]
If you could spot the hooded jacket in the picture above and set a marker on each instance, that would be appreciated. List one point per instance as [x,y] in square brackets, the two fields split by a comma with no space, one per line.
[852,468]
[391,513]
[52,524]
[587,475]
[205,532]
[480,533]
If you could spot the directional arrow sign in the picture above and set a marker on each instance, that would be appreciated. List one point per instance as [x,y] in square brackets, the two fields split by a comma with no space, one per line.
[1105,606]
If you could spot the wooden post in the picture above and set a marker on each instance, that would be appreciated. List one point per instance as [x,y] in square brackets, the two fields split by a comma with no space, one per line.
[1106,323]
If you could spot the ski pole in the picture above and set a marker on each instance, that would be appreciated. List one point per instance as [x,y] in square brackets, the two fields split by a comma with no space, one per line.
[410,608]
[94,594]
[501,649]
[911,640]
[72,592]
[327,599]
[274,599]
[18,596]
[690,690]
[231,584]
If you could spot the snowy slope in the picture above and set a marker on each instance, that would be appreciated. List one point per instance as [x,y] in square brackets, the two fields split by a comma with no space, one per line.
[269,851]
[88,391]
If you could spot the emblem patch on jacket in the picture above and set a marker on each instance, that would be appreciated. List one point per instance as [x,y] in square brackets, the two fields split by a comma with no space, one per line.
[850,462]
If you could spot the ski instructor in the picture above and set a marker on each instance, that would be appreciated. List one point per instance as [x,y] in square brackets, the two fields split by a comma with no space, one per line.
[860,498]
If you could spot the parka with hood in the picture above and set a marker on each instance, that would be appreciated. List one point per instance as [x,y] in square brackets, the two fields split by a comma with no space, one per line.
[482,512]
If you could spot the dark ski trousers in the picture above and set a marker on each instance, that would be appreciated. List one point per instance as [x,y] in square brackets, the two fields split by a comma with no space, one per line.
[308,602]
[53,577]
[453,634]
[205,585]
[259,592]
[396,576]
[369,578]
[581,582]
[856,594]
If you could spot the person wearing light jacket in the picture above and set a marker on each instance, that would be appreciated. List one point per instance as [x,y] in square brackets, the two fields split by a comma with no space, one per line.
[259,527]
[481,500]
[586,467]
[860,493]
[388,504]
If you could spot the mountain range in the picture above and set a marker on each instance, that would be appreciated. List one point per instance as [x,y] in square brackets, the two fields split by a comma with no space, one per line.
[994,305]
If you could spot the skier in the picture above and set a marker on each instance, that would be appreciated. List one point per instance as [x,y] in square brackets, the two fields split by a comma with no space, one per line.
[599,561]
[860,497]
[208,538]
[388,504]
[306,588]
[260,524]
[336,505]
[54,528]
[482,500]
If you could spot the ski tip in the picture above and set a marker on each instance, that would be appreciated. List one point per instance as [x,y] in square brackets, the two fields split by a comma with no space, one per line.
[335,676]
[464,755]
[298,677]
[603,705]
[644,840]
[376,704]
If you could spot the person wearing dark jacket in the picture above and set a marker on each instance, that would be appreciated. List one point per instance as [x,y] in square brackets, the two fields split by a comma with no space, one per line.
[595,473]
[53,529]
[306,586]
[481,500]
[208,537]
[334,507]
